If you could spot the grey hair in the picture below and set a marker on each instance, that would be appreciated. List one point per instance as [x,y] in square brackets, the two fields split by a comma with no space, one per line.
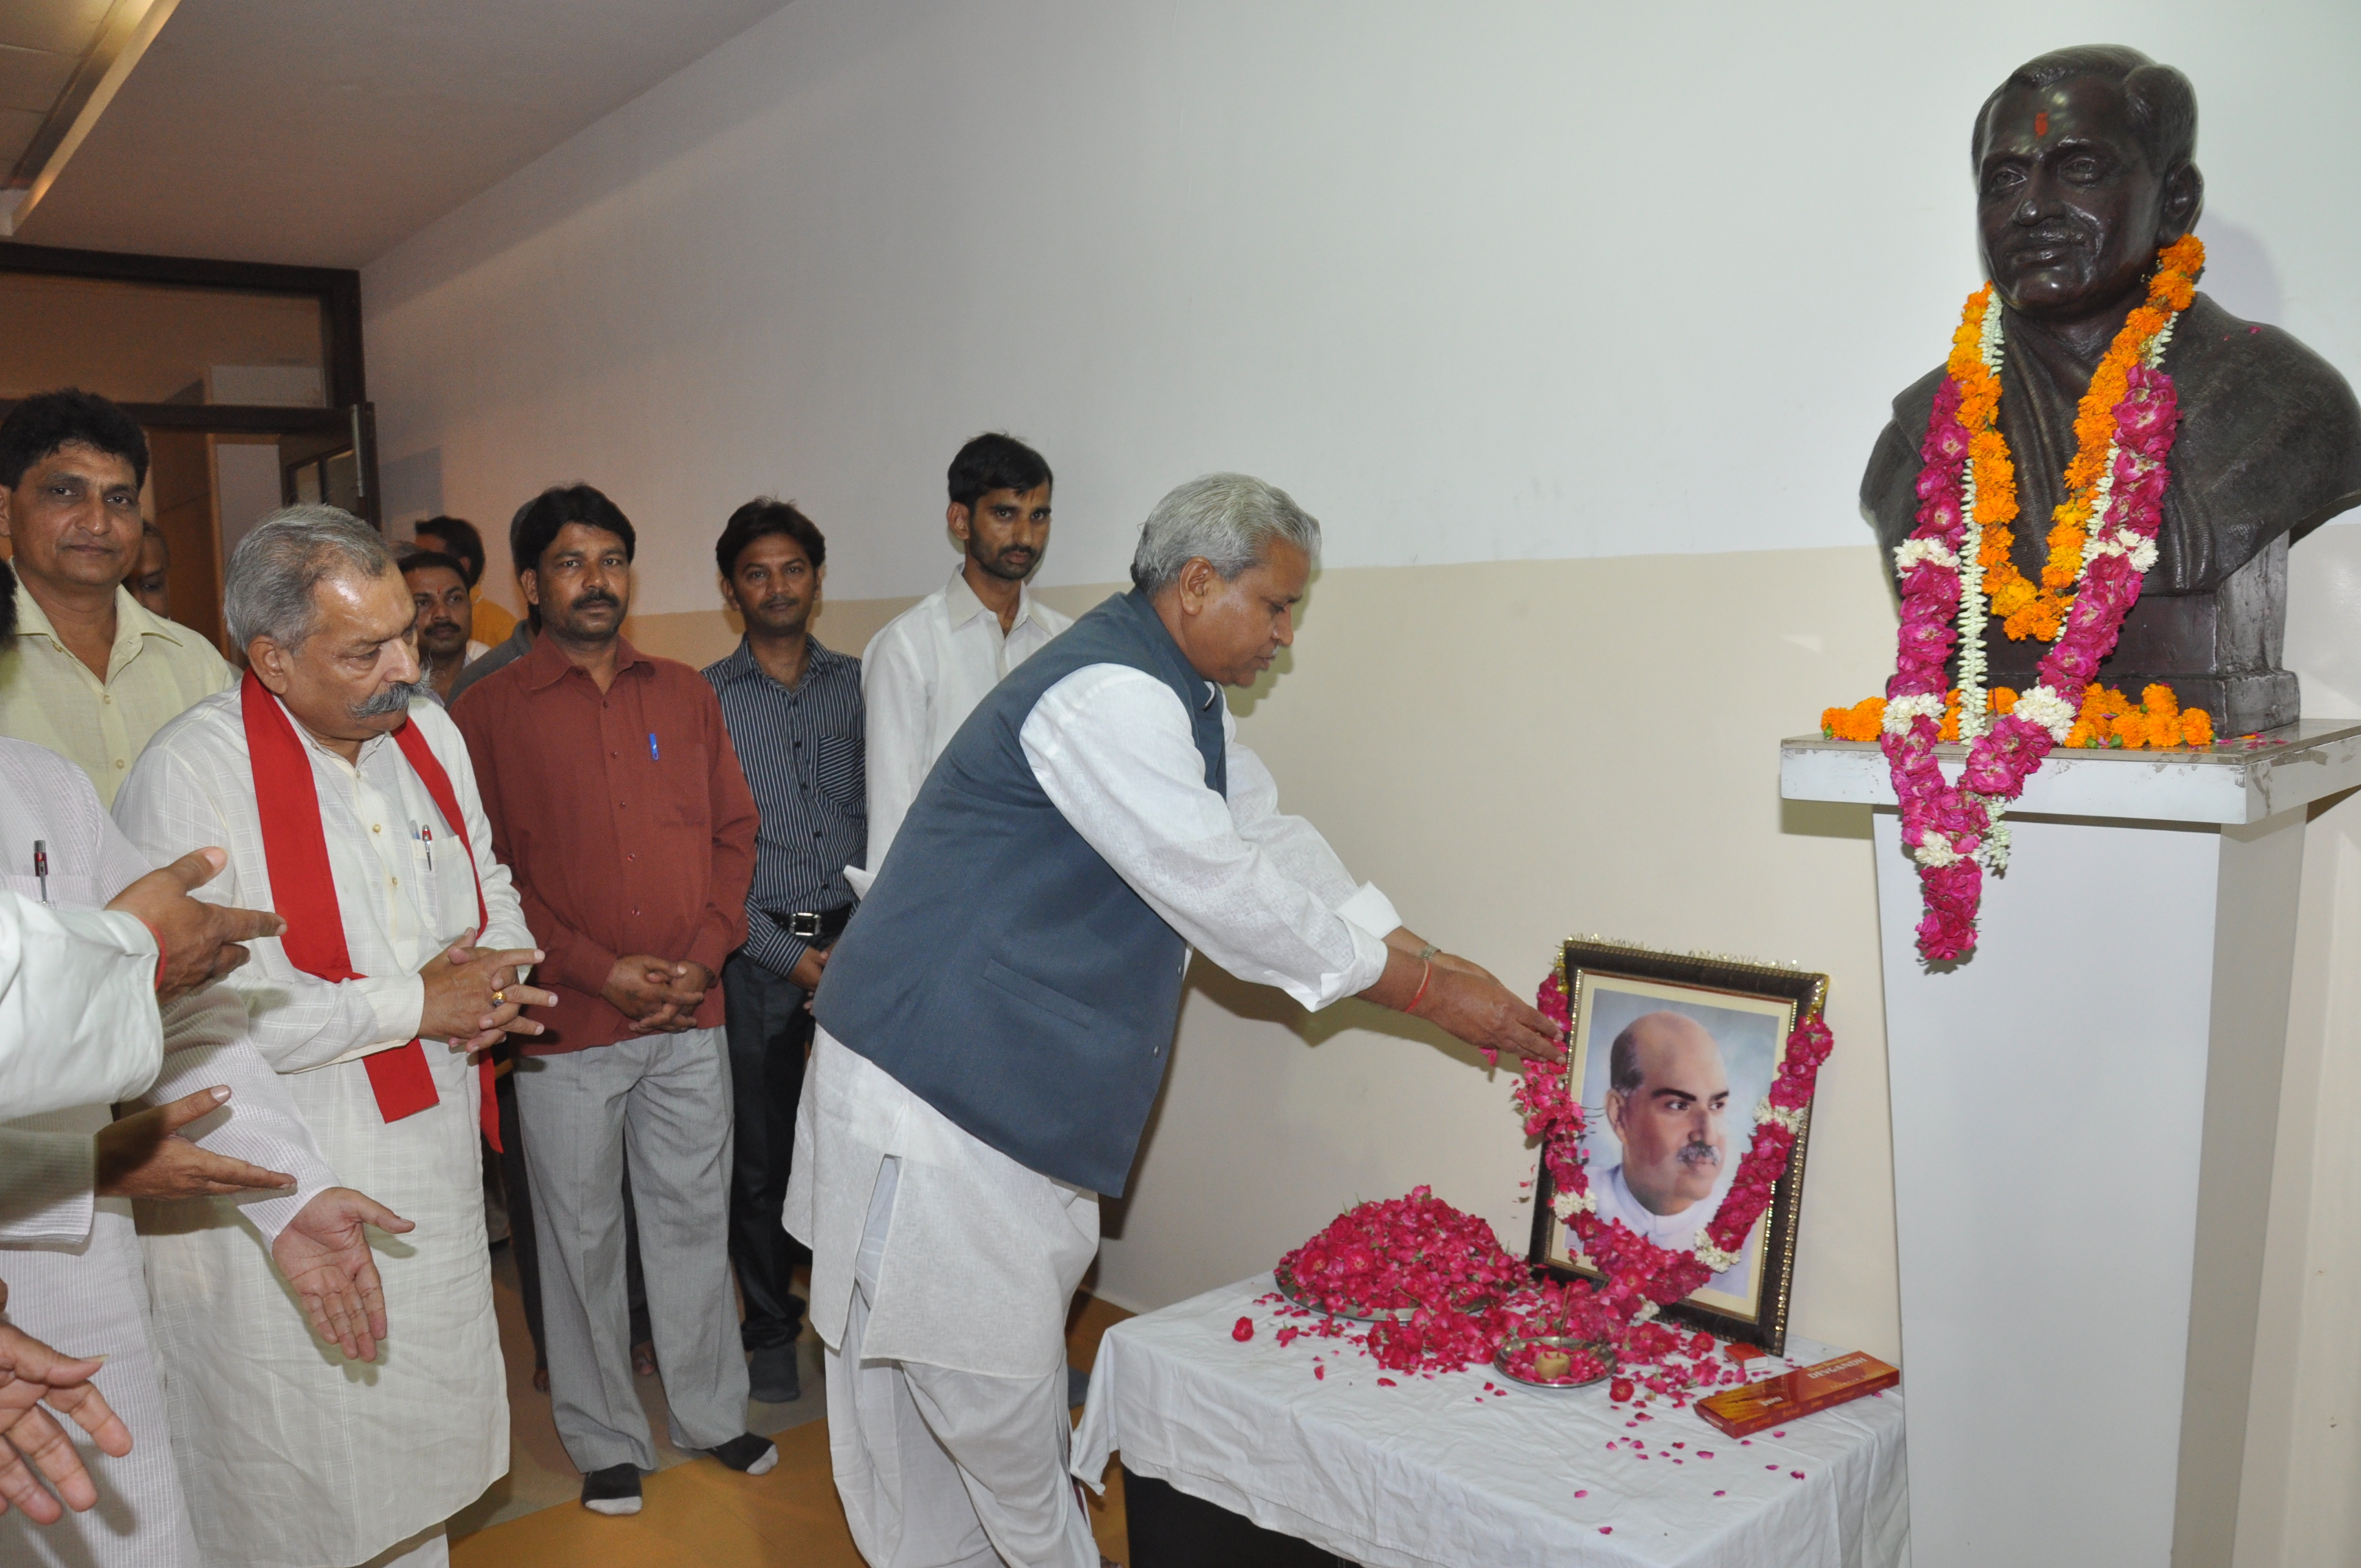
[276,567]
[1228,519]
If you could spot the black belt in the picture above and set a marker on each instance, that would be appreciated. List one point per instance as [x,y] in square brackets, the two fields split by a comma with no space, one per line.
[821,926]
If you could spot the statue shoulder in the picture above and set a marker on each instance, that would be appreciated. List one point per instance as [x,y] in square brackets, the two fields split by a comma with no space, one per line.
[1889,487]
[2262,416]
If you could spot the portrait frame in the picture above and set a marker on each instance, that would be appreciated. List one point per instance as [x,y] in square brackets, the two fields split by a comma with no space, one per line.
[1744,1003]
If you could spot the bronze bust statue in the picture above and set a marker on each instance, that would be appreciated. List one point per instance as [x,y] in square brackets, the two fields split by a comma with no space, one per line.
[2084,172]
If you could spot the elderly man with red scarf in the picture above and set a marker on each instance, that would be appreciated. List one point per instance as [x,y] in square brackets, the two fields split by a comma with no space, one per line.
[347,805]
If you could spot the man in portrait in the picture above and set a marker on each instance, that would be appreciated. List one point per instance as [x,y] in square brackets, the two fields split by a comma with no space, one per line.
[1668,1106]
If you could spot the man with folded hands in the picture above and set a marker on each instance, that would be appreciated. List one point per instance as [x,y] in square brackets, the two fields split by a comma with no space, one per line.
[614,791]
[994,1024]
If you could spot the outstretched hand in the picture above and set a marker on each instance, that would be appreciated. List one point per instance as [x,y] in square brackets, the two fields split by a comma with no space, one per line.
[324,1254]
[144,1156]
[200,942]
[32,1375]
[1464,1001]
[1485,1014]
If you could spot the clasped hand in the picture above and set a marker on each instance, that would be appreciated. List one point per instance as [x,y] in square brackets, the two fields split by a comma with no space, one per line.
[659,995]
[473,996]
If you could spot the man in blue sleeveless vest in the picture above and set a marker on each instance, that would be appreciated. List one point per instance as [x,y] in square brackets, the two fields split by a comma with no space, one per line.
[994,1024]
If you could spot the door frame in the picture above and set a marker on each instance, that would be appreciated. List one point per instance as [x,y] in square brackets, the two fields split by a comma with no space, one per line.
[338,292]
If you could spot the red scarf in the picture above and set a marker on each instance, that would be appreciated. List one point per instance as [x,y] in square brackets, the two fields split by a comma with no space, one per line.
[303,888]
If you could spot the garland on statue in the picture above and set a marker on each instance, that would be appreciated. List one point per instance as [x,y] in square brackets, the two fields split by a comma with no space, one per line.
[1956,569]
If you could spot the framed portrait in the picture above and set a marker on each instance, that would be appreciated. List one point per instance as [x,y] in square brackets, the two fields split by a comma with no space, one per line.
[1672,1054]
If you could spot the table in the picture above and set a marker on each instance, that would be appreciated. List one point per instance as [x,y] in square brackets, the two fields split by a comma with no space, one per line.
[1437,1473]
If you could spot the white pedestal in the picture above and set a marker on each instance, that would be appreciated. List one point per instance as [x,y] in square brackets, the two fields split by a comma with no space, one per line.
[2084,1115]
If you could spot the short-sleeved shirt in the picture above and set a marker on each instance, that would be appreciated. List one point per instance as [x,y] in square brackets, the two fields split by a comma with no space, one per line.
[156,671]
[624,819]
[802,748]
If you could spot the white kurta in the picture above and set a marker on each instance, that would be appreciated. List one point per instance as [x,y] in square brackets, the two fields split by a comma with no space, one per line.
[335,1461]
[69,1258]
[78,1019]
[921,675]
[984,1251]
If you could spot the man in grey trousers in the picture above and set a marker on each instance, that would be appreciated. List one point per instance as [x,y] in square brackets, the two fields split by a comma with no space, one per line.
[617,802]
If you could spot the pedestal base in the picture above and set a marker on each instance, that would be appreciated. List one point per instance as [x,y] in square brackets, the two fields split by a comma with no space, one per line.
[2085,1115]
[2083,1119]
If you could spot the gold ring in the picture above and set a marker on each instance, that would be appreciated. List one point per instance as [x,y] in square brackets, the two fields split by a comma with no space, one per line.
[500,998]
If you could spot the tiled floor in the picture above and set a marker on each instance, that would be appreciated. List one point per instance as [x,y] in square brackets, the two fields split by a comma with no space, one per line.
[540,1476]
[695,1511]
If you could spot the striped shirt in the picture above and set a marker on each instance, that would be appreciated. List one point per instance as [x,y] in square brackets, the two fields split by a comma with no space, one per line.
[802,750]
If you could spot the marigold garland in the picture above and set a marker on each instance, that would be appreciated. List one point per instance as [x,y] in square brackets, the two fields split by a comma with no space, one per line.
[2107,720]
[1956,564]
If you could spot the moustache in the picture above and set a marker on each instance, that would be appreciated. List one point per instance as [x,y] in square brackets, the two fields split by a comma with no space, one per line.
[393,699]
[1697,1154]
[601,597]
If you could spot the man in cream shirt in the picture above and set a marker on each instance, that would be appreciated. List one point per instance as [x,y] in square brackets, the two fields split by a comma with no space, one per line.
[92,673]
[924,673]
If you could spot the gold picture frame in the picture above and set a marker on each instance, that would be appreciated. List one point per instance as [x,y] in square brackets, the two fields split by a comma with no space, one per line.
[1709,1075]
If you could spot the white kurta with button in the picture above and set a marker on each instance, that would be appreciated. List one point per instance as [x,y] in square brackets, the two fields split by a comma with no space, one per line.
[335,1463]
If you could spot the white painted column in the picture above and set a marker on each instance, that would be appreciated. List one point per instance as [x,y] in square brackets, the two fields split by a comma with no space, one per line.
[2084,1115]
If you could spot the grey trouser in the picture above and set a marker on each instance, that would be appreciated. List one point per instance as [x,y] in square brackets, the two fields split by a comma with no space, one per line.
[665,1098]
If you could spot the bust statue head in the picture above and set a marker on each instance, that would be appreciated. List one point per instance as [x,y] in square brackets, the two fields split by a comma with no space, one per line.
[2082,173]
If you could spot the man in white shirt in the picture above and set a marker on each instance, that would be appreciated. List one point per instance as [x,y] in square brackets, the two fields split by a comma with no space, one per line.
[924,673]
[1668,1105]
[399,961]
[993,1028]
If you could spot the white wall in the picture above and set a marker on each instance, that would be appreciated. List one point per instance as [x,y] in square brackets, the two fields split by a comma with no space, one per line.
[1482,281]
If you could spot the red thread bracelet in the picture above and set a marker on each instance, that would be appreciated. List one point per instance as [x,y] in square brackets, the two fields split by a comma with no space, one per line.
[1411,1006]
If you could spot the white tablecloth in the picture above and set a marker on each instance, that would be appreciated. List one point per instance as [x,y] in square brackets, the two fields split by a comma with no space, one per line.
[1436,1473]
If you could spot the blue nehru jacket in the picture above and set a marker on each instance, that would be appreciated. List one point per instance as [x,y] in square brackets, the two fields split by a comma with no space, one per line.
[999,969]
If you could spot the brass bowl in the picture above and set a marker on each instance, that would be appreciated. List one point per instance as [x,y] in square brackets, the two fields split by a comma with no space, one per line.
[1599,1348]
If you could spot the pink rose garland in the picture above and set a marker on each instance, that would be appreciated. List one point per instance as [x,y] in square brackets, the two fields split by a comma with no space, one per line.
[2006,755]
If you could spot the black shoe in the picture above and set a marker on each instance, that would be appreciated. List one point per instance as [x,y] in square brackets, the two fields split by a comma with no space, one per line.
[774,1376]
[614,1490]
[746,1453]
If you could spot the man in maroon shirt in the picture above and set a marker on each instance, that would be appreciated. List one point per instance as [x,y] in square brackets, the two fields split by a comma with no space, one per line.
[618,804]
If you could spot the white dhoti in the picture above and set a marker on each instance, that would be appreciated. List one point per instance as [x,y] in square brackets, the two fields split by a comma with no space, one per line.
[87,1298]
[941,1273]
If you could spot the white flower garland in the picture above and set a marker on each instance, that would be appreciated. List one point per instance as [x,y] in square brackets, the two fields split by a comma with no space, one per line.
[1974,706]
[1712,1256]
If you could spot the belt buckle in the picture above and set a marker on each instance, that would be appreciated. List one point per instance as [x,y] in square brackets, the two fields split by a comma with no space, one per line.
[802,923]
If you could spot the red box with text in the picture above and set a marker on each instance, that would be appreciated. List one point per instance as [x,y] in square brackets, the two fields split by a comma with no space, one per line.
[1745,1411]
